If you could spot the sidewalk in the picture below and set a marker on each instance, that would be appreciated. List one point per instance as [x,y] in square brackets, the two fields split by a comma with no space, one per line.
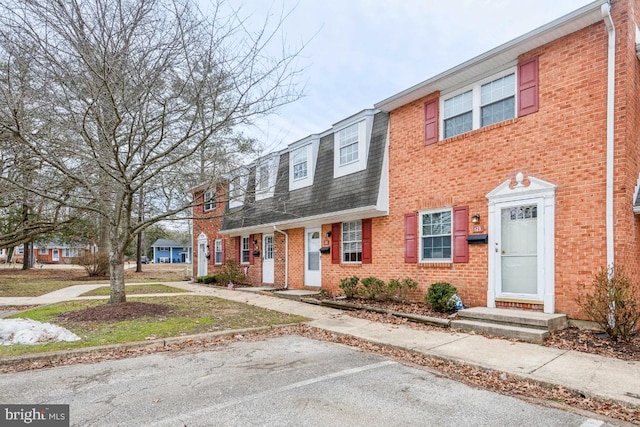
[593,375]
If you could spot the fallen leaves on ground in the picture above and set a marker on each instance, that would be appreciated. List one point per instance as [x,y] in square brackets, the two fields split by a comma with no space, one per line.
[496,381]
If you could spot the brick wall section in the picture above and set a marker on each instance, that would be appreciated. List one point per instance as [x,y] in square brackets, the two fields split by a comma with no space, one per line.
[563,143]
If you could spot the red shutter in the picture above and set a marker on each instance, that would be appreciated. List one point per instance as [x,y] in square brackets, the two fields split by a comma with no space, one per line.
[224,260]
[411,237]
[238,249]
[212,252]
[336,230]
[431,122]
[528,87]
[251,246]
[366,241]
[460,233]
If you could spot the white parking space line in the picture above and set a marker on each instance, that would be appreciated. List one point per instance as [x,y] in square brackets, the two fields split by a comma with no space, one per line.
[244,399]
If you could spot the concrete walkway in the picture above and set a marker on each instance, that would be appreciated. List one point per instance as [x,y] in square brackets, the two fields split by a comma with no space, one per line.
[593,375]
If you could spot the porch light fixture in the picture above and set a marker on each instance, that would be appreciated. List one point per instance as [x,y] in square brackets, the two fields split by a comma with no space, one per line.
[475,219]
[328,234]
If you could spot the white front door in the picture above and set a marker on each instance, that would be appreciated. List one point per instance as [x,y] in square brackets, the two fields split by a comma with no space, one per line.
[312,274]
[202,255]
[55,256]
[518,257]
[521,235]
[267,259]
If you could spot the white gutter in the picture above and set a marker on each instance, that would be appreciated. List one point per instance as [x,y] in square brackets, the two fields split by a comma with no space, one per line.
[611,69]
[286,256]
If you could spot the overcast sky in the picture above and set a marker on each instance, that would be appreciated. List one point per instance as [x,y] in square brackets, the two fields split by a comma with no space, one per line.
[360,52]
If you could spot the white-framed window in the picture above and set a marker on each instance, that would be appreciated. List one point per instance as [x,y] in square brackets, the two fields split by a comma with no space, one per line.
[436,235]
[43,251]
[20,250]
[209,200]
[352,241]
[217,251]
[69,252]
[351,141]
[483,103]
[162,248]
[348,144]
[299,161]
[266,172]
[244,250]
[237,189]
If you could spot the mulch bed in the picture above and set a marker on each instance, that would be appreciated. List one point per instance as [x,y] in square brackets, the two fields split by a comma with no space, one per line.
[116,312]
[572,338]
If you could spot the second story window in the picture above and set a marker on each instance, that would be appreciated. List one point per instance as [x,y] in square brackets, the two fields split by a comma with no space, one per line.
[498,100]
[209,200]
[266,171]
[458,114]
[484,103]
[299,160]
[348,144]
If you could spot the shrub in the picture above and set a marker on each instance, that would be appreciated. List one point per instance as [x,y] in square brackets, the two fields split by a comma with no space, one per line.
[95,264]
[349,286]
[613,303]
[439,296]
[232,272]
[373,288]
[208,279]
[399,291]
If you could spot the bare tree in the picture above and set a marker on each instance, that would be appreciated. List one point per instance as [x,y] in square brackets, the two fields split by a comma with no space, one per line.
[124,94]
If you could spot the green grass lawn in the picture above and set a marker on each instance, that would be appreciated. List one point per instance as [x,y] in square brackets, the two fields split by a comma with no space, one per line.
[188,315]
[36,282]
[135,290]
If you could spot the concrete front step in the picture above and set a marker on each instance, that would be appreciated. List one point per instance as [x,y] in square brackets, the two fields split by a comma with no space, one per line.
[517,318]
[502,330]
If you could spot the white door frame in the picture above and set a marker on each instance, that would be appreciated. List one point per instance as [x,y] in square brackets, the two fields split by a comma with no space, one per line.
[312,278]
[268,267]
[542,194]
[202,254]
[55,255]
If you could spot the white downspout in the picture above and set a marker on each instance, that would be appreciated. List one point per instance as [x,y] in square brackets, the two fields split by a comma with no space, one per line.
[608,22]
[286,256]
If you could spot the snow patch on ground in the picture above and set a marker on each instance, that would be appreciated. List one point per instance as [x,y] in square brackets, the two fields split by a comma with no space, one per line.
[27,331]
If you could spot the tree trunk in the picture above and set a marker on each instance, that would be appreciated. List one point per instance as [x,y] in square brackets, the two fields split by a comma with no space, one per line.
[116,278]
[26,257]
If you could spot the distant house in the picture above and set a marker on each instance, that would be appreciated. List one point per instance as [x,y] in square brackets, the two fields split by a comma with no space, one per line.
[49,253]
[170,251]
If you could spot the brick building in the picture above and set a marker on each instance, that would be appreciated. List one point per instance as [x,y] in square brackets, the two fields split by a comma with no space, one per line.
[514,176]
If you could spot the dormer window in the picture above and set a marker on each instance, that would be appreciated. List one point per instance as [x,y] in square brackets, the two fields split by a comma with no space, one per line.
[302,162]
[351,143]
[266,170]
[299,161]
[237,189]
[209,200]
[348,138]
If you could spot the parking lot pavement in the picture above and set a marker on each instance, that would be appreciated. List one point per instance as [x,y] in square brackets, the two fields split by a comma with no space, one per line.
[285,381]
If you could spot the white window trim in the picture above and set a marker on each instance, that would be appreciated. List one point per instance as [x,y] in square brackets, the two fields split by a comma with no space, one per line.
[342,242]
[217,249]
[238,189]
[209,200]
[311,146]
[41,251]
[364,121]
[271,163]
[420,236]
[475,88]
[242,250]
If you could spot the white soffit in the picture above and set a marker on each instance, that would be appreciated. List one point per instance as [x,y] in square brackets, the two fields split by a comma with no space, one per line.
[498,57]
